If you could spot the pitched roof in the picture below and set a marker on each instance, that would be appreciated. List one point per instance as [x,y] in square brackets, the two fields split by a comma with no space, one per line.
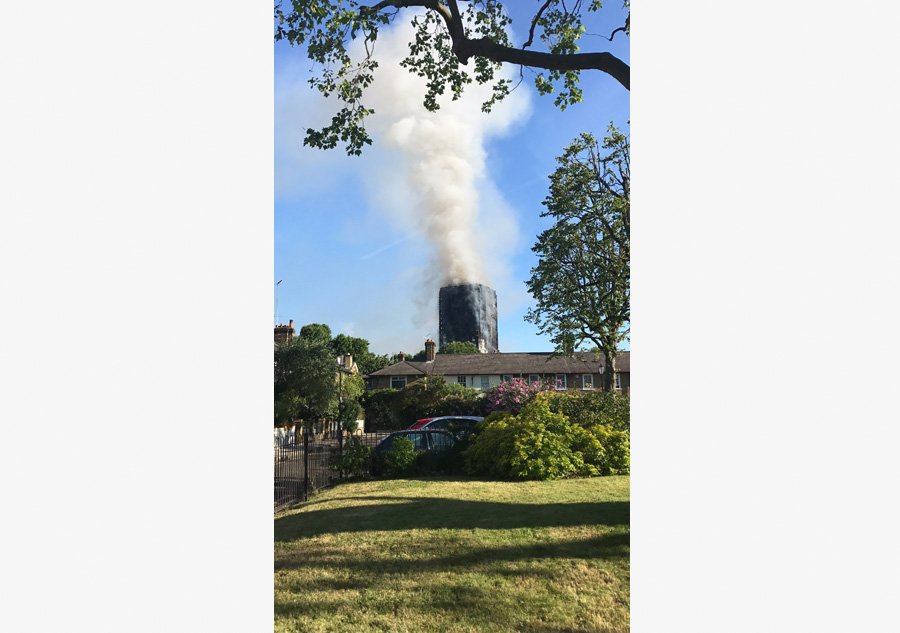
[504,363]
[403,368]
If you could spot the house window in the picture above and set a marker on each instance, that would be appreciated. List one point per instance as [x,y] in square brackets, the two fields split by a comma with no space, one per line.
[587,381]
[507,378]
[398,382]
[618,383]
[461,380]
[560,382]
[485,382]
[532,378]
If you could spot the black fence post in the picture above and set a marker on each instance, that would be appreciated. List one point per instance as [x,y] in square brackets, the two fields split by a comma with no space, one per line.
[340,451]
[305,466]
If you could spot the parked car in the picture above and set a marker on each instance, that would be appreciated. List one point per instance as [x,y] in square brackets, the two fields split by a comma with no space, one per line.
[458,425]
[430,440]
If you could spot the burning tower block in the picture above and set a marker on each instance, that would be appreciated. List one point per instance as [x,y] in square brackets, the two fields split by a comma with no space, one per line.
[468,312]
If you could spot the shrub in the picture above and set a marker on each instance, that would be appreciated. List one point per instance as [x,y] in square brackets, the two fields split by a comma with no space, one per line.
[455,388]
[491,448]
[588,409]
[536,444]
[616,456]
[492,417]
[460,401]
[356,460]
[399,460]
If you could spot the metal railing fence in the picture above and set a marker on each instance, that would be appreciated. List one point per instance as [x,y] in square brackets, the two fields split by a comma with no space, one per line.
[305,463]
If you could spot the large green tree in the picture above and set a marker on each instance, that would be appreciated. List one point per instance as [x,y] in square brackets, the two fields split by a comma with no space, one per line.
[366,361]
[582,283]
[306,385]
[447,38]
[357,347]
[316,331]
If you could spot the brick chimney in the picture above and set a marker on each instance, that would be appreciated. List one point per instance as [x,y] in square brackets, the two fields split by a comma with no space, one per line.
[429,349]
[401,356]
[284,333]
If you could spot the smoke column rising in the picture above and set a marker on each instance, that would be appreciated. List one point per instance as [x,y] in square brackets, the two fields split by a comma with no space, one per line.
[438,157]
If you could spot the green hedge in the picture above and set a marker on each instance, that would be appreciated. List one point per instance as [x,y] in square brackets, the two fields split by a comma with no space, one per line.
[542,444]
[588,409]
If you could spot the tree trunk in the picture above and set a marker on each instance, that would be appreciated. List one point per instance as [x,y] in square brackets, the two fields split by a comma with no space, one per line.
[609,371]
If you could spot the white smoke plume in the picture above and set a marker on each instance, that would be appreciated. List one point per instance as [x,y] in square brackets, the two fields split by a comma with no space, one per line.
[438,160]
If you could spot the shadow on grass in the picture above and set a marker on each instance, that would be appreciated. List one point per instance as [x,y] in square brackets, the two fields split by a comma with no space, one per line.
[607,546]
[406,513]
[361,572]
[455,576]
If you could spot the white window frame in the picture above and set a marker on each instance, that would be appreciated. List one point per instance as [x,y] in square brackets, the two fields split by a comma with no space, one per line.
[532,378]
[507,378]
[587,382]
[485,382]
[618,382]
[561,378]
[461,380]
[393,378]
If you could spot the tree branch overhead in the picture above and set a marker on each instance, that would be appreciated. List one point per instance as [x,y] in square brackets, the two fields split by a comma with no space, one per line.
[447,38]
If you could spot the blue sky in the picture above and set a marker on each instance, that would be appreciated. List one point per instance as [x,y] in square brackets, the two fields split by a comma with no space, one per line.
[352,239]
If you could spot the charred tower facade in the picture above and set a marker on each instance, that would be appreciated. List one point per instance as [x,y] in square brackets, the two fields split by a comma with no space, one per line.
[468,312]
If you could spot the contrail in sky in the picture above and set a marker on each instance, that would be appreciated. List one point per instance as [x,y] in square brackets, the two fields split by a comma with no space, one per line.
[384,248]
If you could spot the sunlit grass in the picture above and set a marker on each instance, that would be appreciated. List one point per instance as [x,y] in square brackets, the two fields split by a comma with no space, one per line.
[455,555]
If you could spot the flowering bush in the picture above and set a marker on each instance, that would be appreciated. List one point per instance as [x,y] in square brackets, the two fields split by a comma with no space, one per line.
[512,396]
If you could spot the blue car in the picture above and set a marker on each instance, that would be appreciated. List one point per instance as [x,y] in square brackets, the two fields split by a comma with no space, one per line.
[429,440]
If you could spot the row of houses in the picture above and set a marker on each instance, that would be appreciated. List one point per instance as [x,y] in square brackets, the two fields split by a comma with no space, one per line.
[482,371]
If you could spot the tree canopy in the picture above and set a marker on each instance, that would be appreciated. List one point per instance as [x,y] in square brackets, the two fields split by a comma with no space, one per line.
[582,282]
[447,38]
[316,331]
[305,380]
[459,347]
[366,361]
[306,374]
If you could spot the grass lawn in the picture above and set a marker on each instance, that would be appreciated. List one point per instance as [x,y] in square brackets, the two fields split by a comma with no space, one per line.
[426,555]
